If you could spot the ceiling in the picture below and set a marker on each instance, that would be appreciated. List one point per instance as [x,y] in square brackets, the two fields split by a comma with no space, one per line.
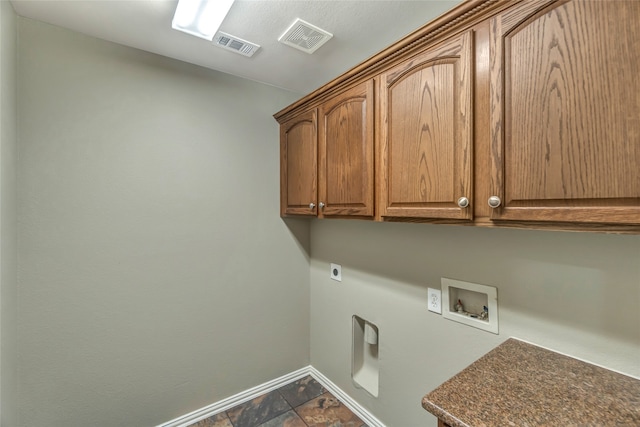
[360,29]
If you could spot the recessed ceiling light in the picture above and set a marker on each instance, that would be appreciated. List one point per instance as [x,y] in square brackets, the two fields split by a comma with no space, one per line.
[200,18]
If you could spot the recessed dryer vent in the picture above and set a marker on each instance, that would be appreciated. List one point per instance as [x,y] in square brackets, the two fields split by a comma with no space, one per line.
[364,355]
[304,36]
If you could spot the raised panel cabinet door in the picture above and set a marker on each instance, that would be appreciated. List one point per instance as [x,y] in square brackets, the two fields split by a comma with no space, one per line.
[426,131]
[298,165]
[565,112]
[346,153]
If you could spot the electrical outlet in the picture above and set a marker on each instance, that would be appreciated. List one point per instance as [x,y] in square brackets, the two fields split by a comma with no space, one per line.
[435,300]
[336,272]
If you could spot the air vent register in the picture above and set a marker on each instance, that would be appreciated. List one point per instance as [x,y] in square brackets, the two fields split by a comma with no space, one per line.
[304,36]
[235,44]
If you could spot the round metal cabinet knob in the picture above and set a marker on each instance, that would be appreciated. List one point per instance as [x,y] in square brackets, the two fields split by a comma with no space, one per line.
[463,202]
[494,201]
[321,205]
[312,205]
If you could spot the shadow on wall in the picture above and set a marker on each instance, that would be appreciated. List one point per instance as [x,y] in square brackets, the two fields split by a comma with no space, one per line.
[300,230]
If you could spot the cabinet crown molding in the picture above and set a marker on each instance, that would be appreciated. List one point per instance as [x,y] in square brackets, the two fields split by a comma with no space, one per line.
[456,20]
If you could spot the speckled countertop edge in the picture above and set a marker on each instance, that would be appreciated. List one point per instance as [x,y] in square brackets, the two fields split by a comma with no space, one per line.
[518,383]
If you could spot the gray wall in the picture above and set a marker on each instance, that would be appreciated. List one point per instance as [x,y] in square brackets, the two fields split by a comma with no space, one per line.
[576,293]
[155,276]
[8,224]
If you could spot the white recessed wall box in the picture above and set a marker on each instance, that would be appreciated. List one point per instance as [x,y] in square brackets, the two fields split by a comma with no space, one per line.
[471,304]
[365,366]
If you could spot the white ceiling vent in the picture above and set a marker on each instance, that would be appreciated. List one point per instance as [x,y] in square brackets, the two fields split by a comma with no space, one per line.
[304,36]
[235,44]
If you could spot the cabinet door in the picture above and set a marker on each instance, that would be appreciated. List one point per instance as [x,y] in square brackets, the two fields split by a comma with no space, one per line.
[565,111]
[346,153]
[426,133]
[298,165]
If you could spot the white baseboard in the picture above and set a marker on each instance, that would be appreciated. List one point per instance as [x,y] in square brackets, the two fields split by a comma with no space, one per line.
[252,393]
[355,407]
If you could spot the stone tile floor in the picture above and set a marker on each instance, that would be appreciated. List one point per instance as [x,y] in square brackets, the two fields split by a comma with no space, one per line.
[303,403]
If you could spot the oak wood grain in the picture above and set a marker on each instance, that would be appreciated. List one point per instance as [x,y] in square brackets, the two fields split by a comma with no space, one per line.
[554,128]
[298,165]
[346,158]
[426,131]
[482,130]
[565,109]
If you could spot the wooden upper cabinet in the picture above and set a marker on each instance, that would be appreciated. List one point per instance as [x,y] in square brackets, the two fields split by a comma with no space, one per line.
[426,133]
[298,165]
[565,112]
[533,106]
[345,151]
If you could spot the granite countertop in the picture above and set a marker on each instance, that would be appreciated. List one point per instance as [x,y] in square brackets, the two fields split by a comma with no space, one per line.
[520,384]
